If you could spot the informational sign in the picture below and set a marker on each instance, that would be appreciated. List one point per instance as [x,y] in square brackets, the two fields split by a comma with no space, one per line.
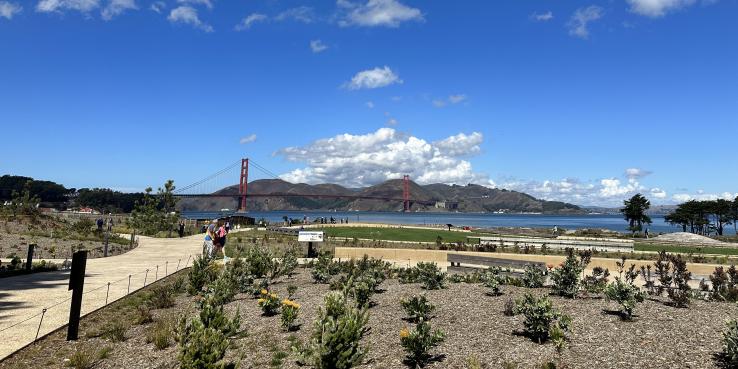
[305,236]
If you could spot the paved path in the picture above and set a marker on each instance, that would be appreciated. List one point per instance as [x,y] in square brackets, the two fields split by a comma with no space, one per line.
[23,298]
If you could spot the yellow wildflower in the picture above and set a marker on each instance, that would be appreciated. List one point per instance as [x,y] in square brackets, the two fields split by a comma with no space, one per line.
[264,292]
[261,301]
[404,333]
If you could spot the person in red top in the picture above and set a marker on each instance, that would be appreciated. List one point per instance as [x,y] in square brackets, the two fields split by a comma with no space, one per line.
[221,234]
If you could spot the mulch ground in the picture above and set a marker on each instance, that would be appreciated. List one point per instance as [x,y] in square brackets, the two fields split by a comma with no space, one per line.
[661,336]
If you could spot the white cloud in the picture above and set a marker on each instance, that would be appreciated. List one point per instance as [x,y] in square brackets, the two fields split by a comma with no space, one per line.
[188,15]
[636,173]
[304,14]
[461,144]
[317,46]
[117,7]
[373,78]
[452,99]
[658,193]
[388,13]
[248,139]
[207,3]
[370,104]
[158,6]
[249,20]
[392,122]
[657,8]
[361,160]
[543,17]
[702,196]
[579,22]
[84,6]
[8,10]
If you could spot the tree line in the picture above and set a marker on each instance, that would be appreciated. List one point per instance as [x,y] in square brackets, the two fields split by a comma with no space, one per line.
[700,217]
[51,194]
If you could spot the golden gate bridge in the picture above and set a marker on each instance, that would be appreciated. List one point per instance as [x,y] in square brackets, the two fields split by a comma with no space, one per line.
[197,189]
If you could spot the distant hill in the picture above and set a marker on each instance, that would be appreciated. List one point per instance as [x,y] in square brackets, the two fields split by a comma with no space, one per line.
[434,197]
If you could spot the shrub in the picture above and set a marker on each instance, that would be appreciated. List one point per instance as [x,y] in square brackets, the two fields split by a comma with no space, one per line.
[430,276]
[724,285]
[82,358]
[730,345]
[202,347]
[362,292]
[115,331]
[199,275]
[337,332]
[269,303]
[673,277]
[162,297]
[321,270]
[143,315]
[455,278]
[492,282]
[418,342]
[222,289]
[541,319]
[213,316]
[623,291]
[417,308]
[566,277]
[597,281]
[290,311]
[533,277]
[160,334]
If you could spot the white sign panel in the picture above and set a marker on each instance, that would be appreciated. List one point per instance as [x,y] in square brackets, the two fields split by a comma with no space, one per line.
[305,236]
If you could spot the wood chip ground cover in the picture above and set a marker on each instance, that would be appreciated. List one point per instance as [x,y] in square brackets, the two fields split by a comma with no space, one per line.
[661,336]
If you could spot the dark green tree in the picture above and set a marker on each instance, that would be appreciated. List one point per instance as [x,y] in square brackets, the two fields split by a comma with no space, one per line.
[168,204]
[634,211]
[721,214]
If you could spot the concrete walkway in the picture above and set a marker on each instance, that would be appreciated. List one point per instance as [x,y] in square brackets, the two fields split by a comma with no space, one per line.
[23,298]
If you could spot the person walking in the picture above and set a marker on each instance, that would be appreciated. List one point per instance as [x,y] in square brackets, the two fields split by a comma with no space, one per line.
[222,233]
[209,245]
[181,229]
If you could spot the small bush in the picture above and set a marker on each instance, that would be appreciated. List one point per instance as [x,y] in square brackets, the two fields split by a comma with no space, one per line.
[321,272]
[162,297]
[199,275]
[729,355]
[143,314]
[269,303]
[290,311]
[202,347]
[417,308]
[222,289]
[724,284]
[597,281]
[115,331]
[291,289]
[160,334]
[418,342]
[509,309]
[336,336]
[362,292]
[430,276]
[533,277]
[566,278]
[541,319]
[493,283]
[623,291]
[82,358]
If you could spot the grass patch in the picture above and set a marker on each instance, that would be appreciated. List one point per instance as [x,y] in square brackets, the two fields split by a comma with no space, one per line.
[685,249]
[399,234]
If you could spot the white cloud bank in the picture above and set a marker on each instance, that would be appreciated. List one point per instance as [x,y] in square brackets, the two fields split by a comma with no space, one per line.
[317,46]
[361,160]
[373,78]
[188,15]
[580,20]
[8,10]
[387,13]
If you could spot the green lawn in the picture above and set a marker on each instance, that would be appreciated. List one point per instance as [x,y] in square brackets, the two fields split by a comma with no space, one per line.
[686,249]
[398,234]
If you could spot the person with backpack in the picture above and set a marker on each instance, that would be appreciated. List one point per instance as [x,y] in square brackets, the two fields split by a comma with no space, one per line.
[209,245]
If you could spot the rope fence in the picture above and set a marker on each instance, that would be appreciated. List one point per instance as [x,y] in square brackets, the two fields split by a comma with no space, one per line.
[93,299]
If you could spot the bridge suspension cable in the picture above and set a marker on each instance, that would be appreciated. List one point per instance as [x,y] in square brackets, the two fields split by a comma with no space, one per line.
[208,178]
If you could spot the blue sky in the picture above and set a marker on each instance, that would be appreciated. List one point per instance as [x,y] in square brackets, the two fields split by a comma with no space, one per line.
[581,101]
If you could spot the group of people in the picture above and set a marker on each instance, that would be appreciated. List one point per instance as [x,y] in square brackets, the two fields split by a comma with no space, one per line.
[324,220]
[215,238]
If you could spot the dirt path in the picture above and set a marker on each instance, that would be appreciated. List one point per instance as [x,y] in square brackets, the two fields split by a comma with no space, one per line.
[23,298]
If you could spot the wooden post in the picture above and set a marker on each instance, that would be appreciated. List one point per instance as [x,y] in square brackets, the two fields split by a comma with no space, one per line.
[29,259]
[76,284]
